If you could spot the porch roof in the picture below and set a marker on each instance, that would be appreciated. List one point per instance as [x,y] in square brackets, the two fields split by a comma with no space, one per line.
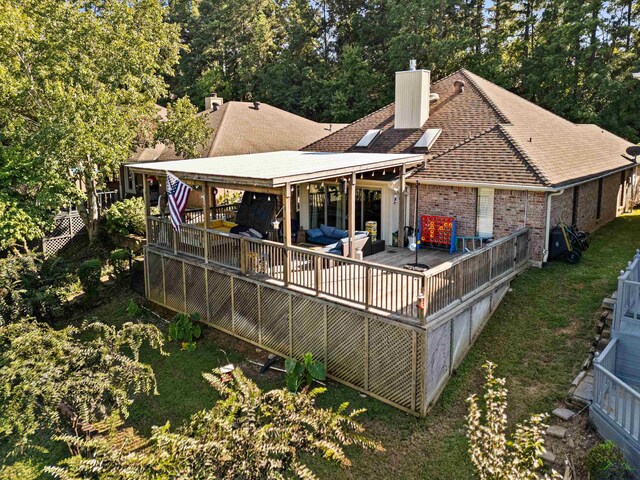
[276,169]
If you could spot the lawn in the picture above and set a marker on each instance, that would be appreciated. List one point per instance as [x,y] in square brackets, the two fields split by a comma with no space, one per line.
[538,337]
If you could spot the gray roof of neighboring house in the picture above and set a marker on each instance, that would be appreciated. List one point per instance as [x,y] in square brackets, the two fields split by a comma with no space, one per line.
[238,127]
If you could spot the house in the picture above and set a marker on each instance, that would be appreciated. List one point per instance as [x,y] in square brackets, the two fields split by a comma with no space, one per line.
[493,160]
[237,128]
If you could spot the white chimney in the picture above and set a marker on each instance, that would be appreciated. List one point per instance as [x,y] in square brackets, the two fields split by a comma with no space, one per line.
[412,97]
[212,100]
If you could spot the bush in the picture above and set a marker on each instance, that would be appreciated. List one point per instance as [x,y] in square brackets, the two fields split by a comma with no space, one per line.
[303,373]
[247,434]
[605,462]
[183,329]
[32,286]
[493,454]
[89,273]
[126,217]
[119,259]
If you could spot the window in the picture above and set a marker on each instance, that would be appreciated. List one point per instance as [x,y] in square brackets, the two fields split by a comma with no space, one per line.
[599,206]
[574,211]
[368,138]
[428,138]
[485,212]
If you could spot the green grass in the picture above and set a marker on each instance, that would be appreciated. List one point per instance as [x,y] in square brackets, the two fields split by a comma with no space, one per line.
[538,337]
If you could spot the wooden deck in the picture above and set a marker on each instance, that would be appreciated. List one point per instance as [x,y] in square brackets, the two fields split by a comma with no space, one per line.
[399,257]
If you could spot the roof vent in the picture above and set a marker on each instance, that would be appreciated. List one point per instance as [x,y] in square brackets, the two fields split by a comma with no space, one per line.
[211,100]
[256,105]
[459,84]
[433,97]
[368,138]
[428,138]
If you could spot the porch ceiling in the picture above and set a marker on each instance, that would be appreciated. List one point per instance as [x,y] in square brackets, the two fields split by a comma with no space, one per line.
[276,169]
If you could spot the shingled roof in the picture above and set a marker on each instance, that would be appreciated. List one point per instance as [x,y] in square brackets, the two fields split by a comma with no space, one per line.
[238,128]
[490,135]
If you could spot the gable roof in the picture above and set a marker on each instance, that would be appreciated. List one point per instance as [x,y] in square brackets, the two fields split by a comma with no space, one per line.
[490,135]
[238,128]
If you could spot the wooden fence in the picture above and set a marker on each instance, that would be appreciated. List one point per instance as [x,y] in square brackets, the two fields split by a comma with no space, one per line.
[374,287]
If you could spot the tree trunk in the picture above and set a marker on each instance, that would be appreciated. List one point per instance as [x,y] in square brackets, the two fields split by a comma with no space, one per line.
[89,209]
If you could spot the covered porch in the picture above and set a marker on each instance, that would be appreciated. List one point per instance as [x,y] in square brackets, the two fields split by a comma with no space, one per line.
[377,283]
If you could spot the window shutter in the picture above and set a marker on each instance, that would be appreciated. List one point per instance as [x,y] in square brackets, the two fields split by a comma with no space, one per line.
[485,212]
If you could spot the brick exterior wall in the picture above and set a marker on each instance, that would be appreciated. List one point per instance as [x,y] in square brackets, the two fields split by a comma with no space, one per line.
[508,211]
[587,203]
[510,205]
[514,209]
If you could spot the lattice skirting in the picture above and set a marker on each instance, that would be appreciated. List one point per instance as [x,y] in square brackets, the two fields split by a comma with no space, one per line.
[401,364]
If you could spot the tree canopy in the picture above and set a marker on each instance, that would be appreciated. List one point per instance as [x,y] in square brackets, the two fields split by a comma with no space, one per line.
[333,60]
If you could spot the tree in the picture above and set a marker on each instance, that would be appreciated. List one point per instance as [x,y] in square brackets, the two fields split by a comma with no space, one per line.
[248,434]
[58,380]
[78,78]
[185,131]
[494,456]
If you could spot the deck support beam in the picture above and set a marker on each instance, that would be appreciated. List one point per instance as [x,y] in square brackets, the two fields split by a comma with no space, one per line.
[286,231]
[206,205]
[352,215]
[146,195]
[402,206]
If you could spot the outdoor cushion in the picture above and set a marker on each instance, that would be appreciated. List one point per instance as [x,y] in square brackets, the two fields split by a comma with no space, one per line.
[327,231]
[337,233]
[314,233]
[322,240]
[221,225]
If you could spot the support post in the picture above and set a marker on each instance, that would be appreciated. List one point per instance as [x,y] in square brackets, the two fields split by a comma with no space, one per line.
[402,207]
[352,216]
[206,205]
[286,231]
[147,207]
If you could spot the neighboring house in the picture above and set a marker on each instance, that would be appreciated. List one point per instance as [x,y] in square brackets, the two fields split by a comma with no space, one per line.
[615,406]
[238,128]
[493,160]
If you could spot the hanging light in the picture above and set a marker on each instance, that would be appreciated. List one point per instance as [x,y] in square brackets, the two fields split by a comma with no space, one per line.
[269,198]
[373,174]
[307,186]
[322,184]
[384,172]
[254,196]
[361,176]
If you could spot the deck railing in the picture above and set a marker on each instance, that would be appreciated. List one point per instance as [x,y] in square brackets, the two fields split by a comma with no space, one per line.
[222,212]
[628,297]
[409,294]
[451,283]
[614,399]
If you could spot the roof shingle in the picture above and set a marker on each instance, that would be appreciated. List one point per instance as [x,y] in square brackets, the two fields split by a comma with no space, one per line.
[491,135]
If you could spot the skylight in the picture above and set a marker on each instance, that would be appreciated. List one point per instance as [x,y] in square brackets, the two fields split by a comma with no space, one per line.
[428,138]
[368,138]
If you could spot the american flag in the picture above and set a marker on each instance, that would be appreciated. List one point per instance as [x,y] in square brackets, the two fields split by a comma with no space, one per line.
[178,193]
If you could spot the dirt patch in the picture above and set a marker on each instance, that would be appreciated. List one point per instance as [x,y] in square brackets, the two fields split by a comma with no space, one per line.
[580,438]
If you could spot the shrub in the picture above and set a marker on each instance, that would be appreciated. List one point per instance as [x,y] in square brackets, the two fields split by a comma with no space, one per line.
[89,274]
[494,456]
[53,381]
[32,286]
[303,372]
[248,434]
[605,462]
[126,217]
[119,259]
[183,329]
